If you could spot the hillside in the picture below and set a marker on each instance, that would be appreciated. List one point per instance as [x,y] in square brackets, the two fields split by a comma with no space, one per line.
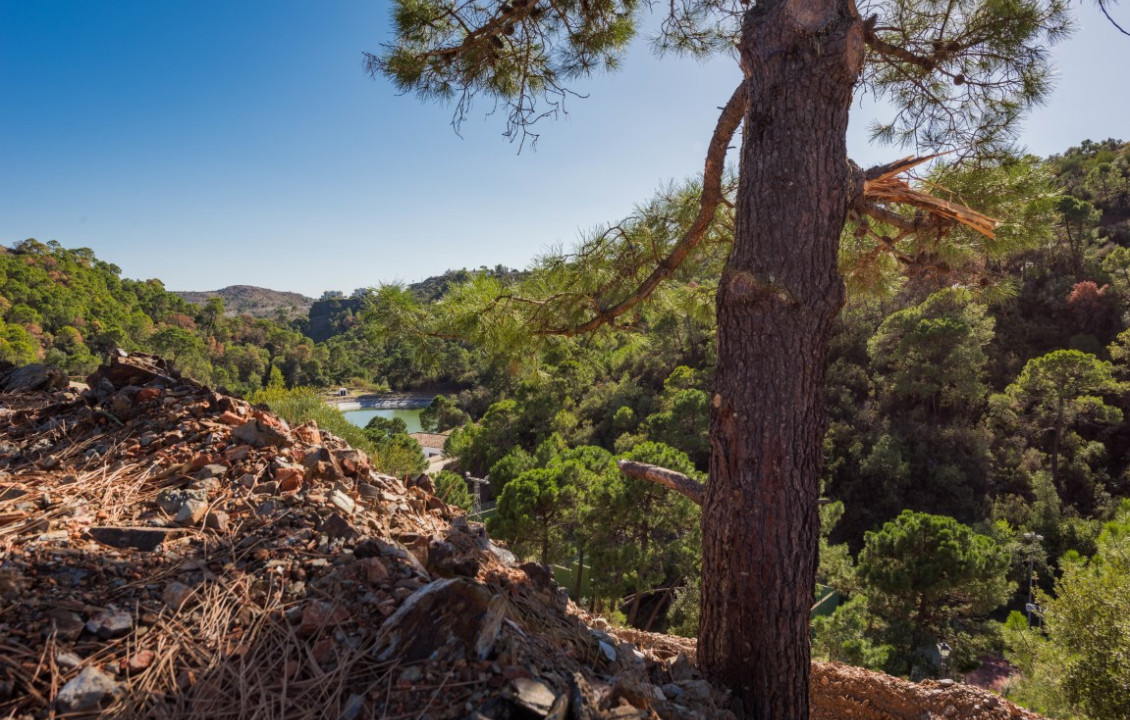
[435,287]
[253,301]
[173,552]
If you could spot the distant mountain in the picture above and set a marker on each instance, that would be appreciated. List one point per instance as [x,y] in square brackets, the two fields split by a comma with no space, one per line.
[254,301]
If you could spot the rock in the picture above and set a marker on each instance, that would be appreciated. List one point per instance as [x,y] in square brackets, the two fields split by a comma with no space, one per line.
[411,674]
[230,418]
[324,651]
[135,369]
[353,463]
[681,668]
[673,692]
[625,712]
[446,619]
[607,650]
[258,434]
[424,482]
[268,509]
[171,500]
[67,660]
[335,526]
[318,614]
[212,470]
[33,378]
[353,708]
[217,520]
[90,690]
[533,695]
[539,574]
[630,656]
[342,502]
[698,690]
[308,433]
[110,623]
[10,492]
[140,660]
[289,477]
[373,570]
[147,394]
[191,512]
[122,403]
[176,595]
[67,625]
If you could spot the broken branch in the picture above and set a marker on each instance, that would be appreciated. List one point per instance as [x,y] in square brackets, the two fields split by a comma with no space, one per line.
[680,483]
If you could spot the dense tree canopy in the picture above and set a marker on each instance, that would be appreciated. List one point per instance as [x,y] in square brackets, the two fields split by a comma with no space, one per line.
[958,74]
[973,442]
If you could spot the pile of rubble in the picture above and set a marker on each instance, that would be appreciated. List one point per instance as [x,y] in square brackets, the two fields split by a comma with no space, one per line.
[170,552]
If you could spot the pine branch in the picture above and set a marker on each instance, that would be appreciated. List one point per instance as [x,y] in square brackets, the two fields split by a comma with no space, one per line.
[709,201]
[1102,6]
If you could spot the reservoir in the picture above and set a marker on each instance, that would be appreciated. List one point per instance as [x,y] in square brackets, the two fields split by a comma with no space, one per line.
[361,417]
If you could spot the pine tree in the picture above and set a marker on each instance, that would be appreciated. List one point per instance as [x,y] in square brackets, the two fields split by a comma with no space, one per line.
[959,73]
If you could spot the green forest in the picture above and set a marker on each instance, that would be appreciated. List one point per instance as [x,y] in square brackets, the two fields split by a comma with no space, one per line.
[977,461]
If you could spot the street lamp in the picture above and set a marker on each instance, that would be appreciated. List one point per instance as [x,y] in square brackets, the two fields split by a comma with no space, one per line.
[1032,540]
[944,650]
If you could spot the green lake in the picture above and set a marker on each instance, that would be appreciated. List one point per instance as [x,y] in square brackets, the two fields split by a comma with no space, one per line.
[361,417]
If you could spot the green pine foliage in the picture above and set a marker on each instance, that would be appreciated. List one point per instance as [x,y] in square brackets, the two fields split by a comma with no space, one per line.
[921,573]
[1075,661]
[453,490]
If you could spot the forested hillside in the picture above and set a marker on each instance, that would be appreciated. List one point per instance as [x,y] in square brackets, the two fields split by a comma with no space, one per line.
[254,301]
[977,393]
[978,451]
[68,308]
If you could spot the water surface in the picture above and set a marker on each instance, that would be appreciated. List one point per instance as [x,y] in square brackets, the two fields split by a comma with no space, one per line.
[361,417]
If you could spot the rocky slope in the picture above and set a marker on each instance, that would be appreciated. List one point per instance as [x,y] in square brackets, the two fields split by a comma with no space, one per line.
[170,552]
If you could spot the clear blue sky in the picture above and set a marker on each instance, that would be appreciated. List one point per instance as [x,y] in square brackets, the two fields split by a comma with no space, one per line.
[216,143]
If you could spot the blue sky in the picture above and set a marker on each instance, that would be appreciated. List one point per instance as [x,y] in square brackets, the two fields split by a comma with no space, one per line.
[218,143]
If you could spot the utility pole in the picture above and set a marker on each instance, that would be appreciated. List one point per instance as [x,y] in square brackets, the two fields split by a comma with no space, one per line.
[477,484]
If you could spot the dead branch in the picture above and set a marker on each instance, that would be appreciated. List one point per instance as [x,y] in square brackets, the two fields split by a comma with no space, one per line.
[689,488]
[680,483]
[883,184]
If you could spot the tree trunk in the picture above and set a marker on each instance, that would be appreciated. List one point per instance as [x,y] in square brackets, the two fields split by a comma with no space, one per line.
[777,298]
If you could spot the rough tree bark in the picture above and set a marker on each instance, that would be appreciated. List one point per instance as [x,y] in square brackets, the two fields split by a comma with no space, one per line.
[777,298]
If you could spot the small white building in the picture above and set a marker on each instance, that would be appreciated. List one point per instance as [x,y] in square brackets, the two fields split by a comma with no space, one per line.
[431,443]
